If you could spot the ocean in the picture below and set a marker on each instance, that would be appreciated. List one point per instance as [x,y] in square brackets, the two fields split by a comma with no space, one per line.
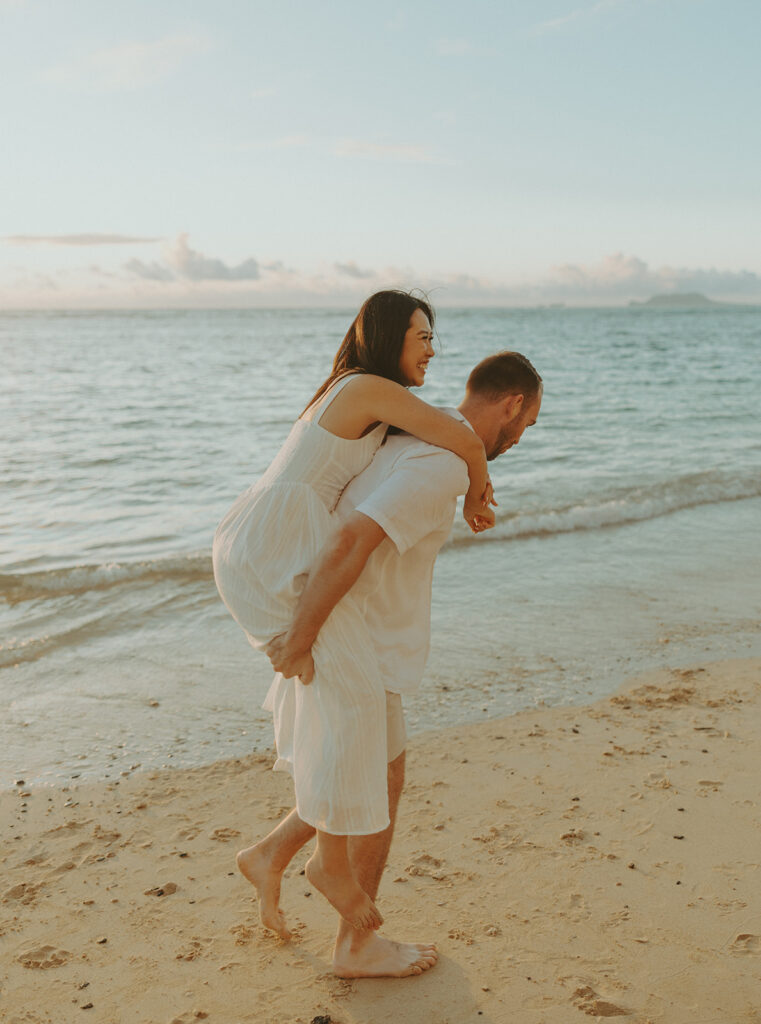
[627,534]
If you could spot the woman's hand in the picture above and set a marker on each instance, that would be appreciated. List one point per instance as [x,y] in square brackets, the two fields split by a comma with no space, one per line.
[289,661]
[476,511]
[488,496]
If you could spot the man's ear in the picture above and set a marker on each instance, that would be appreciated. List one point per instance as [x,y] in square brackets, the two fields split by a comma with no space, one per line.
[512,405]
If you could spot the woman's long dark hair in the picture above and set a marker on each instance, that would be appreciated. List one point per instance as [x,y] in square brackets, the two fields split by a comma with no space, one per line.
[373,343]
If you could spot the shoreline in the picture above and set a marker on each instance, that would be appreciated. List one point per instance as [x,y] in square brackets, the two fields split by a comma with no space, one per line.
[591,610]
[570,862]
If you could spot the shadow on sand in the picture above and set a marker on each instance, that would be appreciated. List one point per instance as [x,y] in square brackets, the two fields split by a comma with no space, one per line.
[443,995]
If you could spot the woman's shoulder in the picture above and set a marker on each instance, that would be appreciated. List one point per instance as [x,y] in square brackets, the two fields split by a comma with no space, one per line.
[359,388]
[368,383]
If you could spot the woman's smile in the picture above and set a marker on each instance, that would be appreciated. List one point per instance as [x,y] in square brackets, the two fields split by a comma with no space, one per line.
[417,350]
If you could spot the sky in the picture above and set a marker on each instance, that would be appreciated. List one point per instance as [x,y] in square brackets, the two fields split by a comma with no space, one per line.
[236,153]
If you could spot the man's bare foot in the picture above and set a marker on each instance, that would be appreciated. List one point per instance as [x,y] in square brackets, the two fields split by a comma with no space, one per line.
[371,956]
[347,896]
[255,865]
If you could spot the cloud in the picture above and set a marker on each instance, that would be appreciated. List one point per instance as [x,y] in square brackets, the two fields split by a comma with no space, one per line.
[85,239]
[149,271]
[624,277]
[616,270]
[352,270]
[614,280]
[581,12]
[185,278]
[35,281]
[186,264]
[131,65]
[101,272]
[194,266]
[412,154]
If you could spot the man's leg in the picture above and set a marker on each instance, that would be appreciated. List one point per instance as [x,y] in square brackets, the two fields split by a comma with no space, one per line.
[368,854]
[365,954]
[264,863]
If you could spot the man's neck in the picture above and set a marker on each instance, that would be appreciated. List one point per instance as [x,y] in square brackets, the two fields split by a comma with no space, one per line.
[473,413]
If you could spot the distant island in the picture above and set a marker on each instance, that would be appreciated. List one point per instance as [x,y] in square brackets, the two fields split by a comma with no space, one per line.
[681,300]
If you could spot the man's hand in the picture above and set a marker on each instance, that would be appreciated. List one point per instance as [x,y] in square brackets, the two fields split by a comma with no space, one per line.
[289,661]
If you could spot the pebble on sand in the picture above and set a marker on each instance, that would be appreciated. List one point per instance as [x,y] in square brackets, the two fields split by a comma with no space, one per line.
[162,890]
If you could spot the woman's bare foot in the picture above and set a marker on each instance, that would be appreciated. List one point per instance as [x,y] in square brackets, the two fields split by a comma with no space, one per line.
[256,866]
[371,956]
[347,896]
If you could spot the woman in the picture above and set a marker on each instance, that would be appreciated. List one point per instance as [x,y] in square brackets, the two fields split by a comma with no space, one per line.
[327,733]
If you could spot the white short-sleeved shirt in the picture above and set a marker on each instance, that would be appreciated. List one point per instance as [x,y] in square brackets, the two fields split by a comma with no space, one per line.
[410,489]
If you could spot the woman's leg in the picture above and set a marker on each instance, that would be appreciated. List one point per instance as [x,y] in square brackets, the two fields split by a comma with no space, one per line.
[263,865]
[330,871]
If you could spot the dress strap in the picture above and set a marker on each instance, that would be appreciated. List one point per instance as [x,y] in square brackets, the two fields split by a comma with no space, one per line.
[330,394]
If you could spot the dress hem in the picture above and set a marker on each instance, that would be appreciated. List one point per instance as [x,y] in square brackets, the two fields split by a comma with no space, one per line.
[281,765]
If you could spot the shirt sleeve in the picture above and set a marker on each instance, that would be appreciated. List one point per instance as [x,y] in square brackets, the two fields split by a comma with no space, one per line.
[417,496]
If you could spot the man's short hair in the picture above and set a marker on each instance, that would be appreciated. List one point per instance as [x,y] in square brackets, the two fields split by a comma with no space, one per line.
[506,373]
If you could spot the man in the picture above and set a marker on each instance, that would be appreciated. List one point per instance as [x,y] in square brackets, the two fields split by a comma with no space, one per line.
[395,516]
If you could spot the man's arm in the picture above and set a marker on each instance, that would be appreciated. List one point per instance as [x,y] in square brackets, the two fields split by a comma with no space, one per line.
[335,572]
[417,495]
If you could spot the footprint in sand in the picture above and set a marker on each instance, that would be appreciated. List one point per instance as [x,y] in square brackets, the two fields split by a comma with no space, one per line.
[44,957]
[69,826]
[577,906]
[425,866]
[38,857]
[746,943]
[243,934]
[67,865]
[193,949]
[575,835]
[588,1001]
[93,858]
[24,892]
[224,835]
[104,835]
[189,833]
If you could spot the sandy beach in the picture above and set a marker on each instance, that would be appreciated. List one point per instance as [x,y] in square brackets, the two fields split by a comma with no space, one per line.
[570,863]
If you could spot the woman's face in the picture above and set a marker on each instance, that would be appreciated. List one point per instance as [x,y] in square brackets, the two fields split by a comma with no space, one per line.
[416,351]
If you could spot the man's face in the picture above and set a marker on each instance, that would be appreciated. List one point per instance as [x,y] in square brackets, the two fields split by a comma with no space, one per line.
[513,416]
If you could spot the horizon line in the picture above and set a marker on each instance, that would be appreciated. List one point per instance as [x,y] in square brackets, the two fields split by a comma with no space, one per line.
[631,304]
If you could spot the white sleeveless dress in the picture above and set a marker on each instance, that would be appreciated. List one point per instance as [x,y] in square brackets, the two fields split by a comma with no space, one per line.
[330,735]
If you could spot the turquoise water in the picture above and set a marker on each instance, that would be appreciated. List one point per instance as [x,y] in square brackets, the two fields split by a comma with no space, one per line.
[627,529]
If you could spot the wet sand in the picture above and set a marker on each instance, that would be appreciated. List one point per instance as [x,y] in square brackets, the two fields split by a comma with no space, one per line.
[571,864]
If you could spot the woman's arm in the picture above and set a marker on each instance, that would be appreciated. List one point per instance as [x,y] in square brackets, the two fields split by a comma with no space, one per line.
[391,403]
